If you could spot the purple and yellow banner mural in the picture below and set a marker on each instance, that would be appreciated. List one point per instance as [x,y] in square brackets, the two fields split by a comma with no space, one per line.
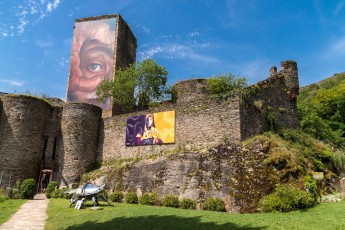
[151,129]
[92,60]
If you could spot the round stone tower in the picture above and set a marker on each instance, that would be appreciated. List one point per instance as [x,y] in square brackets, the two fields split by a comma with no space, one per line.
[188,90]
[21,136]
[79,127]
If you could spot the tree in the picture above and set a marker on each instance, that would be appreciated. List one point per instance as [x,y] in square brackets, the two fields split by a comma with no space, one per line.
[223,86]
[139,84]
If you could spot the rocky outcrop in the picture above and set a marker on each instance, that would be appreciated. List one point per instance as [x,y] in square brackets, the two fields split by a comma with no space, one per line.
[232,172]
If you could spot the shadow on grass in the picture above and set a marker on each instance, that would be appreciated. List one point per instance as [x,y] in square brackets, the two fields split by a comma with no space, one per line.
[160,222]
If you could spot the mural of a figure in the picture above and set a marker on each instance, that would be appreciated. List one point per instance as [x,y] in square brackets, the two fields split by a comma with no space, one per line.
[151,134]
[92,60]
[151,129]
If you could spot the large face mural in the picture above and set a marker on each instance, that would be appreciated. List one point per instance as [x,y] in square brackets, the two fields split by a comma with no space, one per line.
[151,129]
[92,60]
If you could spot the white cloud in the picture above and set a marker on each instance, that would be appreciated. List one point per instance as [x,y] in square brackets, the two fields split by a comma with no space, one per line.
[146,30]
[43,43]
[194,34]
[178,51]
[13,83]
[63,62]
[52,5]
[33,10]
[22,24]
[26,13]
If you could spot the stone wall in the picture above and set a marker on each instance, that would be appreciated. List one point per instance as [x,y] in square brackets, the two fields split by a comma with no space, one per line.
[52,136]
[185,91]
[79,125]
[22,135]
[199,124]
[271,104]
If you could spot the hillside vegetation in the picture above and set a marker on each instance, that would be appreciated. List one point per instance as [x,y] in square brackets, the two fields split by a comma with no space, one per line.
[322,114]
[322,110]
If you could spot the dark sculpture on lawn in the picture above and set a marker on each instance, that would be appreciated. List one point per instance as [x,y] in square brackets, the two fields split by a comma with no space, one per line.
[87,191]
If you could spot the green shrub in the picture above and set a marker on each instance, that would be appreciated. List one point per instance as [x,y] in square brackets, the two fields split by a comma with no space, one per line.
[54,194]
[3,198]
[338,160]
[65,195]
[28,189]
[131,198]
[16,194]
[310,186]
[319,165]
[286,199]
[223,86]
[214,204]
[50,188]
[170,201]
[326,154]
[187,203]
[3,195]
[116,196]
[148,199]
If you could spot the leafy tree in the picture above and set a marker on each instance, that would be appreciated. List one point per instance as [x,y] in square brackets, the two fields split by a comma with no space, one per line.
[139,84]
[223,86]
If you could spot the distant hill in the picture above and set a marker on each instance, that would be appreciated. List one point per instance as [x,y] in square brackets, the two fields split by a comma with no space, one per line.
[328,83]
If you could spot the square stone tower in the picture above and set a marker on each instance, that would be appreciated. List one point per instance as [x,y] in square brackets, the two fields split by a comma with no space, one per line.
[101,45]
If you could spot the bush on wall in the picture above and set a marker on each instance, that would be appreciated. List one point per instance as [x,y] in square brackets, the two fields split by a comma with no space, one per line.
[224,86]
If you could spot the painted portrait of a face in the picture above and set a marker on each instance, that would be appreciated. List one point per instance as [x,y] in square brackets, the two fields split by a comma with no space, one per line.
[92,60]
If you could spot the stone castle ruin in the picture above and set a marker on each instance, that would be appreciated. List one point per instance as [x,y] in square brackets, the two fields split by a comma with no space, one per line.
[66,140]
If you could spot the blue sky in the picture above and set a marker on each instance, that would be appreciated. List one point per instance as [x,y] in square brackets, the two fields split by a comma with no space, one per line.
[191,38]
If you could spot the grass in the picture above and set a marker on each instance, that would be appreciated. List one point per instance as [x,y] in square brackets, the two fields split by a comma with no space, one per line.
[8,208]
[127,216]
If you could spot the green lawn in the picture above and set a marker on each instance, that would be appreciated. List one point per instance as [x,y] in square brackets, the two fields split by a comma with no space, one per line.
[9,207]
[126,216]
